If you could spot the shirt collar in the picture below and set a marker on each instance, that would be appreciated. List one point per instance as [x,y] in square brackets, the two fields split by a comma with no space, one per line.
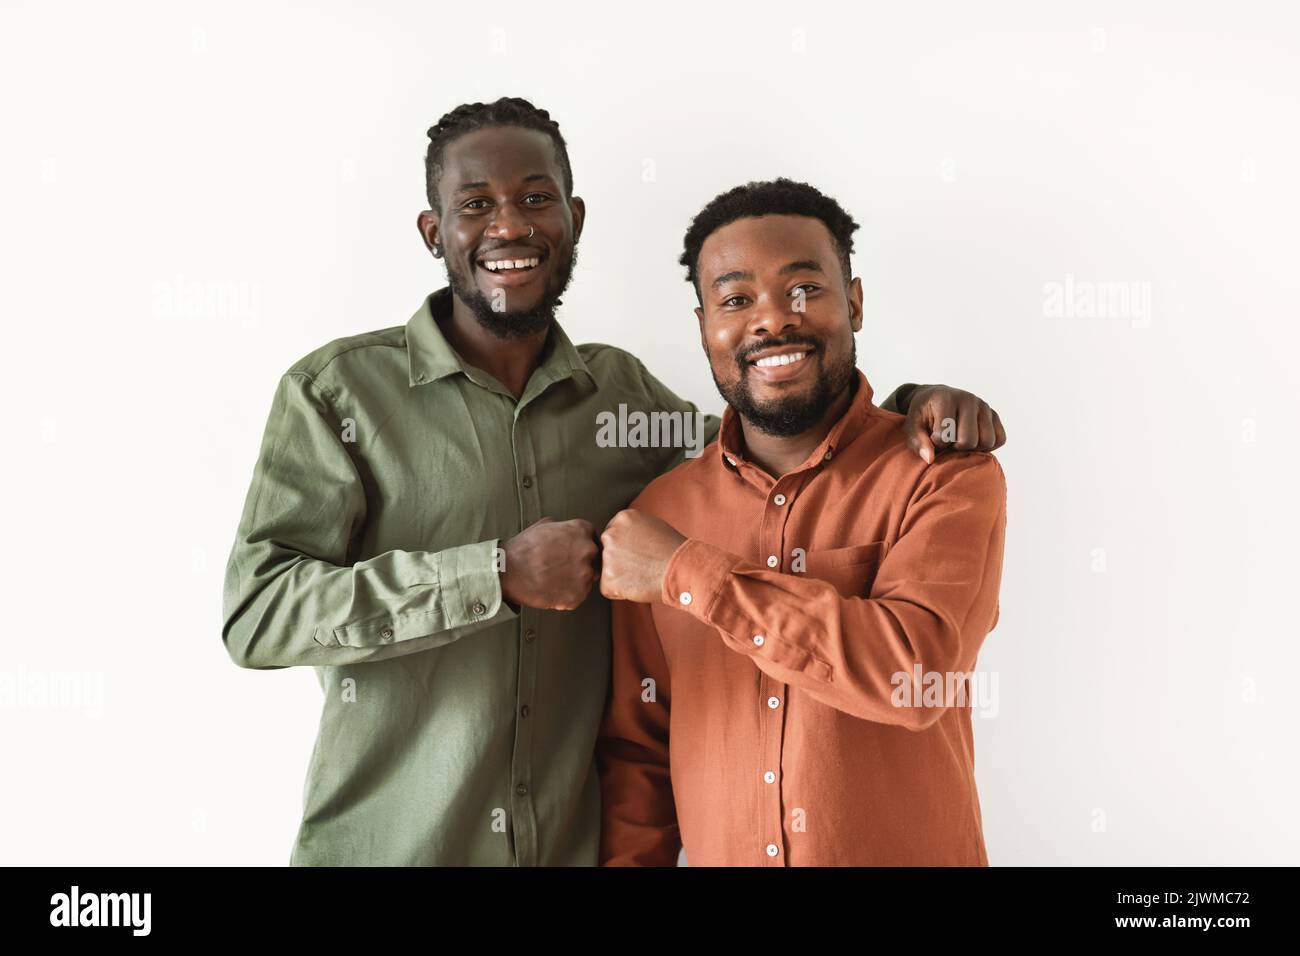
[843,432]
[431,357]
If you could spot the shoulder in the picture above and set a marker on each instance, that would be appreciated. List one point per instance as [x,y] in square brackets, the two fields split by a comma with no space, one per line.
[888,441]
[609,363]
[966,474]
[342,353]
[883,416]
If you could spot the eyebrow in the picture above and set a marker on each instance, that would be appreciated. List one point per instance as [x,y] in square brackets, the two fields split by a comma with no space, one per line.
[730,277]
[799,265]
[483,183]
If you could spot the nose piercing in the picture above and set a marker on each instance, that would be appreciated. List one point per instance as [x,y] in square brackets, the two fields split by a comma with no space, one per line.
[530,232]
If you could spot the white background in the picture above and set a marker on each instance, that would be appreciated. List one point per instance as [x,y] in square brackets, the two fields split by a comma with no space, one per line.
[197,194]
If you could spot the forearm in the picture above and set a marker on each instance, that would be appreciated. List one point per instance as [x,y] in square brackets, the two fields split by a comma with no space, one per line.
[930,603]
[283,608]
[848,653]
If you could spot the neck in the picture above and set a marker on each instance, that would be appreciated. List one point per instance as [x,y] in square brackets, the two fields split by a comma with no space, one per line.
[510,361]
[780,454]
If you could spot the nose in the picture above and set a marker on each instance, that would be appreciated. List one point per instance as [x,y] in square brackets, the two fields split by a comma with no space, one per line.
[774,316]
[508,223]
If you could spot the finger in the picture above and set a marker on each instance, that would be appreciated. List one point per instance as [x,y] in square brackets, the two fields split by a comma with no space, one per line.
[916,426]
[968,425]
[999,432]
[943,422]
[922,445]
[988,438]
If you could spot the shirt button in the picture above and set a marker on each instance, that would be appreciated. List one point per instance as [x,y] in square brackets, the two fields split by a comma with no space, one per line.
[779,499]
[758,640]
[478,607]
[385,632]
[772,849]
[521,790]
[769,777]
[530,635]
[523,711]
[774,702]
[772,561]
[528,481]
[828,456]
[685,597]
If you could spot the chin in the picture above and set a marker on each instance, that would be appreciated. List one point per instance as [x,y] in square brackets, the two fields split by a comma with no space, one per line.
[776,392]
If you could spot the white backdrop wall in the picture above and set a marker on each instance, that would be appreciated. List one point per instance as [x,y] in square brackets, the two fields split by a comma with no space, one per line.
[196,194]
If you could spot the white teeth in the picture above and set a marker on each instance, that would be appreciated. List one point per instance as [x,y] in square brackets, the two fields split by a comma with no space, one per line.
[499,264]
[787,359]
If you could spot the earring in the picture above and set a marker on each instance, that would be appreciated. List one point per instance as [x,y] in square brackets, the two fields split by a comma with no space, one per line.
[437,251]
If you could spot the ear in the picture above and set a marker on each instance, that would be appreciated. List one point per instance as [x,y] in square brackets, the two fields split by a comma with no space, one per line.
[427,223]
[699,315]
[855,305]
[579,209]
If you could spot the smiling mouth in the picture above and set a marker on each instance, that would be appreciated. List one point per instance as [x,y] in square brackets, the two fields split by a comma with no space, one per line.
[786,358]
[510,266]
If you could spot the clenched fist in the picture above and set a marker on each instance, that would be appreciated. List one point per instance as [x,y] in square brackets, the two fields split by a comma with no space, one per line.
[550,565]
[940,416]
[636,549]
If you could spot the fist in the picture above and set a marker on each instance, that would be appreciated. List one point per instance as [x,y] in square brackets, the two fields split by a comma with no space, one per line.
[550,565]
[939,416]
[636,548]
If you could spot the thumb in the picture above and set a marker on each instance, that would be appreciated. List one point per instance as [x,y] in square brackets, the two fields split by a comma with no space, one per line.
[923,446]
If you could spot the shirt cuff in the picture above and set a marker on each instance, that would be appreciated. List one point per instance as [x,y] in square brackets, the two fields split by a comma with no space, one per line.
[469,584]
[695,576]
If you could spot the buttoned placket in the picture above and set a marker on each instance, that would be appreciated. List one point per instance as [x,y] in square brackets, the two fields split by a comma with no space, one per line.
[528,485]
[554,369]
[524,817]
[777,552]
[778,504]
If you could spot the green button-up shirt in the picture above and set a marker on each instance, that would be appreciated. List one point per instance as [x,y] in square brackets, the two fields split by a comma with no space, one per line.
[454,731]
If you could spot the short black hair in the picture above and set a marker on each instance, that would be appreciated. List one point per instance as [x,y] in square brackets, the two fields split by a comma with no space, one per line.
[507,111]
[768,198]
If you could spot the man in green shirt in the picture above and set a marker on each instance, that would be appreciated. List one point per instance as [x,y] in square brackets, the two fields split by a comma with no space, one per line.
[423,520]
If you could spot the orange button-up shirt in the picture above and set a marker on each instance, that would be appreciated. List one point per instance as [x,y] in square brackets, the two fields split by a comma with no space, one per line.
[798,673]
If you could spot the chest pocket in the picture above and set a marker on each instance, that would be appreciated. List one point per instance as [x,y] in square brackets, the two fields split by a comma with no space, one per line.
[852,570]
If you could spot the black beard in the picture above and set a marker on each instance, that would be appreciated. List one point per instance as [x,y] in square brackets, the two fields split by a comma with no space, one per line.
[785,417]
[520,323]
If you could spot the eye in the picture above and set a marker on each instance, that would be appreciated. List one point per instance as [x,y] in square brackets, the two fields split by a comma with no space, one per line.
[807,286]
[540,197]
[733,301]
[470,204]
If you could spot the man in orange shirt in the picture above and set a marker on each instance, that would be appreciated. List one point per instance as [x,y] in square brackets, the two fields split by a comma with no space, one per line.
[787,602]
